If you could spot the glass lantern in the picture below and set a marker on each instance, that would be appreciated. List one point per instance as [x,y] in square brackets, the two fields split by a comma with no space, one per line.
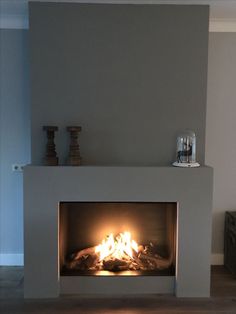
[186,150]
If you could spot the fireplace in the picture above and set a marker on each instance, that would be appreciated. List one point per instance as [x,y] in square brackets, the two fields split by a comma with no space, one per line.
[132,95]
[69,209]
[117,238]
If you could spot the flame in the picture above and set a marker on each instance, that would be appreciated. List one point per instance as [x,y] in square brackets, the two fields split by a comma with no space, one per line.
[119,247]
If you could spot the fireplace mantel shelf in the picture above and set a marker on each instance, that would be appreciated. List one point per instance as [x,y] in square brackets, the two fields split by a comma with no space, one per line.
[178,169]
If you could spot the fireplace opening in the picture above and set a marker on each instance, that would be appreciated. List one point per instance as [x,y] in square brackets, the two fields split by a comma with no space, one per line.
[117,238]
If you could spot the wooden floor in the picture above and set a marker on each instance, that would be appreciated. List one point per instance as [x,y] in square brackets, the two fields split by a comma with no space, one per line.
[222,301]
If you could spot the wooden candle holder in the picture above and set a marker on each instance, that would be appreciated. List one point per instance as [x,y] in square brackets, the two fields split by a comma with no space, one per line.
[51,158]
[74,158]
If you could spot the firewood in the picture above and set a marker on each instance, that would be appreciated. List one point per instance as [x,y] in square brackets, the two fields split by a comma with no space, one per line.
[160,263]
[115,264]
[84,262]
[91,261]
[71,264]
[144,259]
[88,251]
[140,249]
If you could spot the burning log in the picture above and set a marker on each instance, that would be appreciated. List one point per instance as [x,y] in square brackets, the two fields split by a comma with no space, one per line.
[156,262]
[116,254]
[116,264]
[88,251]
[84,259]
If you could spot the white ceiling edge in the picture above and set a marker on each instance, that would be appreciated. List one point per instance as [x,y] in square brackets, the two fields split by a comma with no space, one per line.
[14,13]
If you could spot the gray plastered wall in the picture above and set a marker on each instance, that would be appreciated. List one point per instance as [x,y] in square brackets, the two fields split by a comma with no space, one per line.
[133,76]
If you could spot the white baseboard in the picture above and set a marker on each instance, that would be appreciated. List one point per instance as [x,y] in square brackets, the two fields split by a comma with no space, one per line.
[11,259]
[217,259]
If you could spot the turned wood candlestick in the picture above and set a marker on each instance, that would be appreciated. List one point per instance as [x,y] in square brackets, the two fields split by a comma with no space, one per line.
[74,158]
[51,158]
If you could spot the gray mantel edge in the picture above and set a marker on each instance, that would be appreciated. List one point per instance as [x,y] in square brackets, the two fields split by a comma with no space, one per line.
[45,187]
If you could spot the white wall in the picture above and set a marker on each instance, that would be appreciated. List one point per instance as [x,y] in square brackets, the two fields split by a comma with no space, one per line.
[221,130]
[14,141]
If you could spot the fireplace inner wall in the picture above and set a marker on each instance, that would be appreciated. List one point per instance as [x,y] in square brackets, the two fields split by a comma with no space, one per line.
[86,224]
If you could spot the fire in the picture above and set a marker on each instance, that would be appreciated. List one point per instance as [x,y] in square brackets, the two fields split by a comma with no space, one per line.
[119,253]
[119,247]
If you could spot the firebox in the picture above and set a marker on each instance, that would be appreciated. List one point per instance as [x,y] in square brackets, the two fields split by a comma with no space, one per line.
[117,238]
